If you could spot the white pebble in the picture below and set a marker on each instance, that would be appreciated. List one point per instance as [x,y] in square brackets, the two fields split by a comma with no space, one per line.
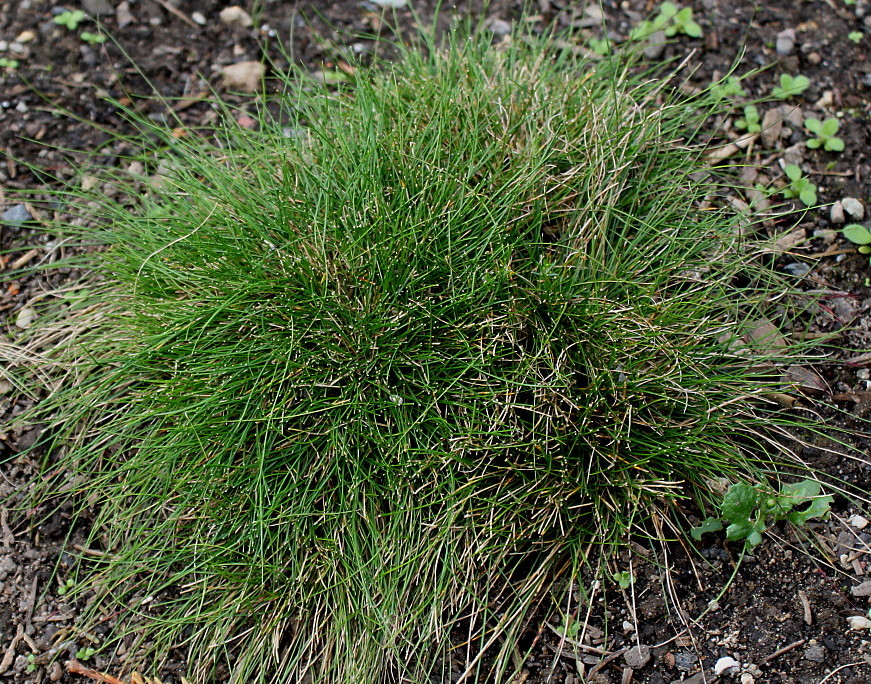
[857,622]
[853,207]
[198,18]
[858,521]
[747,678]
[235,15]
[724,665]
[25,317]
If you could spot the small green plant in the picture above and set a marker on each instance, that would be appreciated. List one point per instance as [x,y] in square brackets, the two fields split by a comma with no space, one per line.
[750,122]
[85,653]
[750,511]
[825,132]
[92,38]
[31,663]
[790,85]
[6,63]
[623,579]
[601,46]
[71,19]
[856,36]
[799,186]
[728,88]
[671,20]
[858,235]
[64,588]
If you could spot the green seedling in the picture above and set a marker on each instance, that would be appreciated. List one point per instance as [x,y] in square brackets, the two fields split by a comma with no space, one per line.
[858,235]
[31,663]
[601,46]
[64,588]
[71,19]
[92,38]
[728,88]
[750,122]
[750,511]
[85,653]
[6,63]
[825,132]
[671,20]
[856,36]
[790,85]
[799,186]
[623,579]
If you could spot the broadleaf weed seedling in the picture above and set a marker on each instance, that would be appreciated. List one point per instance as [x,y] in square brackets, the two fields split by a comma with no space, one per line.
[728,88]
[70,18]
[855,36]
[92,38]
[671,20]
[750,122]
[825,134]
[10,64]
[751,511]
[858,235]
[790,86]
[799,186]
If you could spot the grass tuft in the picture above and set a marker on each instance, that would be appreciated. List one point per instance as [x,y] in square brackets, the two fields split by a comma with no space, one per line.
[352,391]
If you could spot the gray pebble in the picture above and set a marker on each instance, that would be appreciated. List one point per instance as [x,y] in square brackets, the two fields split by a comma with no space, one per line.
[97,7]
[637,656]
[836,213]
[655,45]
[7,567]
[863,589]
[853,207]
[772,127]
[797,269]
[785,42]
[685,661]
[815,653]
[16,217]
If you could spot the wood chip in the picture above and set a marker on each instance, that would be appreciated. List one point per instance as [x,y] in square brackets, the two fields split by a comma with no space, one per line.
[75,667]
[806,607]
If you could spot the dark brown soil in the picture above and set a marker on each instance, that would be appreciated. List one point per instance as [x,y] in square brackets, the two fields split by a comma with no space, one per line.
[784,618]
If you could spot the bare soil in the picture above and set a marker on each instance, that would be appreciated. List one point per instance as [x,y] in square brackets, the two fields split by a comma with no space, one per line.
[784,617]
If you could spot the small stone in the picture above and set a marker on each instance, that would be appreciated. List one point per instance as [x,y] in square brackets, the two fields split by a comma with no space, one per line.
[827,99]
[863,589]
[772,127]
[16,216]
[498,26]
[862,374]
[655,45]
[853,207]
[395,4]
[747,678]
[814,58]
[816,653]
[792,114]
[836,212]
[794,154]
[97,7]
[858,521]
[56,672]
[857,622]
[25,317]
[723,665]
[123,15]
[235,16]
[25,37]
[198,18]
[685,661]
[797,269]
[244,76]
[7,567]
[637,656]
[785,42]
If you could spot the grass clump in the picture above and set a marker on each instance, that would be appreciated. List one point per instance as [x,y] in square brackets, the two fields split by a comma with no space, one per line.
[355,389]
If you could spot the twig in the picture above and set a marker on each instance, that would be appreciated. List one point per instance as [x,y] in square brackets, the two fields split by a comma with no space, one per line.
[779,652]
[9,656]
[75,667]
[181,15]
[605,661]
[842,667]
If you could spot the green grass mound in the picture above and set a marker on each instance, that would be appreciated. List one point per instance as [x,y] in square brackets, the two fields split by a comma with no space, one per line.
[391,367]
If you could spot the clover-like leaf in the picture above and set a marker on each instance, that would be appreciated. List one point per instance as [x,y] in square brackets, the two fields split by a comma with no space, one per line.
[819,507]
[792,171]
[834,145]
[739,502]
[708,525]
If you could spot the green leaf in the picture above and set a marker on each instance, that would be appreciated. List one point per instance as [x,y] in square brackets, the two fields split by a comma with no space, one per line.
[829,127]
[834,145]
[814,143]
[668,10]
[819,507]
[708,525]
[740,502]
[813,125]
[792,171]
[693,30]
[808,195]
[857,234]
[624,579]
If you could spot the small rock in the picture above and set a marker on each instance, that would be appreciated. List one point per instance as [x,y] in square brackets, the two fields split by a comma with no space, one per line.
[857,622]
[198,18]
[785,42]
[863,589]
[25,317]
[655,45]
[723,665]
[235,16]
[637,657]
[56,672]
[747,678]
[244,76]
[853,207]
[123,15]
[827,99]
[25,37]
[816,653]
[858,522]
[7,567]
[20,663]
[772,127]
[97,7]
[836,213]
[685,661]
[792,114]
[797,269]
[395,4]
[16,217]
[794,154]
[498,26]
